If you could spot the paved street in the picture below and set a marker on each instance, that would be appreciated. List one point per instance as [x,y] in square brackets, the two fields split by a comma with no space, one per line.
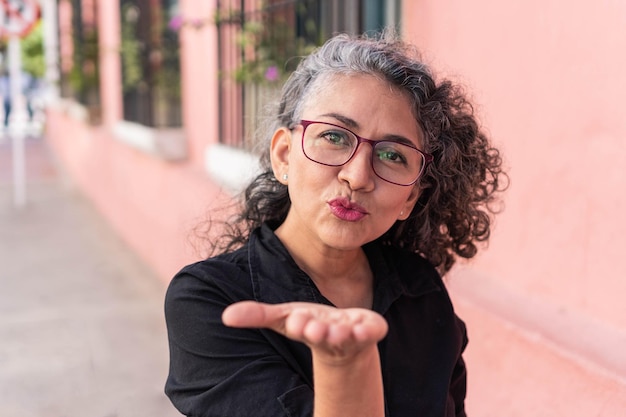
[81,322]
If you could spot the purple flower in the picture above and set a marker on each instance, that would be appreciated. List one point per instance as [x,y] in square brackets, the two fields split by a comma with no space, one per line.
[175,23]
[271,74]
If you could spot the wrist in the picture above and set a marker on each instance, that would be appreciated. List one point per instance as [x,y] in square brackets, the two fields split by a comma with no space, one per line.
[348,385]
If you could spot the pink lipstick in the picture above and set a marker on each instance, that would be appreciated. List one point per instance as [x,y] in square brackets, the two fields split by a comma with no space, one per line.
[344,209]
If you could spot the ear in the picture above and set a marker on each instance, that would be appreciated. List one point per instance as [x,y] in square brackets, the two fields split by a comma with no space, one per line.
[416,191]
[279,153]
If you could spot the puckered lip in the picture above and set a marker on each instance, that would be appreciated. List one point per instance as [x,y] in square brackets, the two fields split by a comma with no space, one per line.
[345,203]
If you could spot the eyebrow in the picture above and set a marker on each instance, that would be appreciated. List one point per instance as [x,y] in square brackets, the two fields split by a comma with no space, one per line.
[353,124]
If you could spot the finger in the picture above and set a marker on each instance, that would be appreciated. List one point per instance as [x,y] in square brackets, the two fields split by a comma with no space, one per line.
[271,316]
[243,314]
[372,329]
[253,314]
[305,324]
[340,334]
[296,322]
[314,332]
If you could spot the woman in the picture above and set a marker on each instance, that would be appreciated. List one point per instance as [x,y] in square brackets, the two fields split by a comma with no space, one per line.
[327,297]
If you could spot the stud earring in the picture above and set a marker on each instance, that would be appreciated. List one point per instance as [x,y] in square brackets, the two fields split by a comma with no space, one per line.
[285,176]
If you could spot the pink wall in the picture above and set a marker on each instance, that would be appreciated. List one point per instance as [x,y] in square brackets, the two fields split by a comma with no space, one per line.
[544,303]
[199,76]
[548,79]
[109,27]
[517,372]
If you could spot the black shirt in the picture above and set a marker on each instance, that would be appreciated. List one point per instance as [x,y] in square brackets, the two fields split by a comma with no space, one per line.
[221,371]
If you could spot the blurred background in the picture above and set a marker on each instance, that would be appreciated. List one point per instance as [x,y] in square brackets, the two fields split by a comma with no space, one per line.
[127,122]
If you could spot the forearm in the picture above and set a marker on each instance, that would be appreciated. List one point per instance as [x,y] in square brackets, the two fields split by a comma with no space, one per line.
[349,388]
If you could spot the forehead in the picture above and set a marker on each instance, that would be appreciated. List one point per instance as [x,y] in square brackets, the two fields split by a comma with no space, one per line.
[342,86]
[376,106]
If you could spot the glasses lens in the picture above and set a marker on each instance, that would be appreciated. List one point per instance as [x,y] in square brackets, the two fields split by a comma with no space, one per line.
[397,163]
[328,144]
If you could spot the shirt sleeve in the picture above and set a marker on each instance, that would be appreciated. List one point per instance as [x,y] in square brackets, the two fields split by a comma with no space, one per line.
[220,371]
[458,382]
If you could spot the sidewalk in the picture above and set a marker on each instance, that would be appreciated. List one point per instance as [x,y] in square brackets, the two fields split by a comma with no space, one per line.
[81,319]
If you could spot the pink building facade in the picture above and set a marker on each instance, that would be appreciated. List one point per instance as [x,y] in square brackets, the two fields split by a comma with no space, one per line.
[543,302]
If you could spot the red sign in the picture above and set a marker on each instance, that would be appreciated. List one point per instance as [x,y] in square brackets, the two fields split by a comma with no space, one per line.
[18,17]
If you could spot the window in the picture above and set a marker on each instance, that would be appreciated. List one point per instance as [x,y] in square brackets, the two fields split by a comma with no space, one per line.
[150,63]
[356,16]
[260,40]
[78,46]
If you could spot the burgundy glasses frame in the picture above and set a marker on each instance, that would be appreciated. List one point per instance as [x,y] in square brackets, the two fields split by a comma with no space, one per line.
[428,158]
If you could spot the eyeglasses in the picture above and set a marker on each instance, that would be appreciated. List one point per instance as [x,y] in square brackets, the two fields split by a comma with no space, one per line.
[332,145]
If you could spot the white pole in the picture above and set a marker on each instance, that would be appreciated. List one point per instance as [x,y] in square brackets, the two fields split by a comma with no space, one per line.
[16,126]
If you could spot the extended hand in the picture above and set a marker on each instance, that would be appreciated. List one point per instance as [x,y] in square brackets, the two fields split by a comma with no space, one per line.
[335,334]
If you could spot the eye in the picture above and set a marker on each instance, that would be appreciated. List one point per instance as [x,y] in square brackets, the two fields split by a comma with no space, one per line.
[390,152]
[336,137]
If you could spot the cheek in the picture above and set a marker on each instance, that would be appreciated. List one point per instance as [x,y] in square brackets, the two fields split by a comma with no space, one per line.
[307,181]
[309,187]
[309,172]
[395,200]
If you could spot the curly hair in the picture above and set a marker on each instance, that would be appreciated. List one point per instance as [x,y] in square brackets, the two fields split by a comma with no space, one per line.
[459,189]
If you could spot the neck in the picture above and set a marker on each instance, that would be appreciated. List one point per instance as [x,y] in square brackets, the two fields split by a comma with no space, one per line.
[343,277]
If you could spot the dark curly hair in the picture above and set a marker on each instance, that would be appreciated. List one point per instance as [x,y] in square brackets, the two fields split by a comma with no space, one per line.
[460,187]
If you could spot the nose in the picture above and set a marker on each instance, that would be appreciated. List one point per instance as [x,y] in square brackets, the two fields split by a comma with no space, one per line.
[358,172]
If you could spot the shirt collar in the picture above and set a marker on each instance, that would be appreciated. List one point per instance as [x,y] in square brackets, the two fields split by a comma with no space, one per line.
[276,278]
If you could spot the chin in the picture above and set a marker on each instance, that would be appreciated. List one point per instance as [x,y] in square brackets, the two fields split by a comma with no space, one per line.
[345,241]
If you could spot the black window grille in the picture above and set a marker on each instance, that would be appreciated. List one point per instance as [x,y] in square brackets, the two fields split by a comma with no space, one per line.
[79,66]
[259,45]
[150,62]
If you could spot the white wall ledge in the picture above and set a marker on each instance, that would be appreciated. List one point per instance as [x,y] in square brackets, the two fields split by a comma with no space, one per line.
[69,107]
[167,143]
[230,167]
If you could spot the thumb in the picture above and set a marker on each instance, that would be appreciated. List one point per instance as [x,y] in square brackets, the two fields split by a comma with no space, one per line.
[253,314]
